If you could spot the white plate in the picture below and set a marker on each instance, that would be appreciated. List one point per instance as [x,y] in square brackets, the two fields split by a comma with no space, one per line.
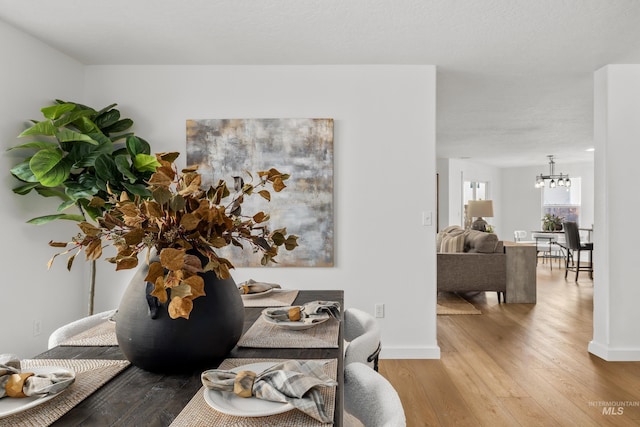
[13,405]
[258,294]
[299,325]
[231,404]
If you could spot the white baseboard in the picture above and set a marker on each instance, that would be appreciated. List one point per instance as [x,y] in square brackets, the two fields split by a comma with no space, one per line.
[410,352]
[614,354]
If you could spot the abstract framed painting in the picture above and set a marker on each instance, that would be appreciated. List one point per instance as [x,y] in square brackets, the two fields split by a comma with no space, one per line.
[302,148]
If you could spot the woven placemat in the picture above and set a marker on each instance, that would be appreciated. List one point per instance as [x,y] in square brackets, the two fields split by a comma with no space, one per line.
[263,334]
[277,298]
[101,335]
[91,374]
[198,413]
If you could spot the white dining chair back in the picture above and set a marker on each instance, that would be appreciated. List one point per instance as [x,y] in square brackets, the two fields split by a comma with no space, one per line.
[67,331]
[519,235]
[371,398]
[362,333]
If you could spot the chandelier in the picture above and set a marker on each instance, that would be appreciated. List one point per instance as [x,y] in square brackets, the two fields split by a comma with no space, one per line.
[560,180]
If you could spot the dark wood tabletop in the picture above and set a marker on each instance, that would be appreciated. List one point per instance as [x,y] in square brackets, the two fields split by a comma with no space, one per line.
[139,398]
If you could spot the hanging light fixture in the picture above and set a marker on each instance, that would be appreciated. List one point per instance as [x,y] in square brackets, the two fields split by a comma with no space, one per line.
[560,180]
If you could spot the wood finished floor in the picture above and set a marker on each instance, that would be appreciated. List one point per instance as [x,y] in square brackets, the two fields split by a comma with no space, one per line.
[519,365]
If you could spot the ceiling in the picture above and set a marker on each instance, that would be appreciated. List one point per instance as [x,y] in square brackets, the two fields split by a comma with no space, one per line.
[514,76]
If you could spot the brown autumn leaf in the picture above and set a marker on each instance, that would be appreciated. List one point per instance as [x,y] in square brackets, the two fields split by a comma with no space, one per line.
[278,185]
[126,263]
[192,264]
[265,194]
[197,286]
[260,217]
[217,242]
[172,259]
[183,290]
[89,229]
[93,251]
[134,237]
[180,307]
[160,179]
[153,208]
[155,271]
[159,291]
[291,243]
[189,221]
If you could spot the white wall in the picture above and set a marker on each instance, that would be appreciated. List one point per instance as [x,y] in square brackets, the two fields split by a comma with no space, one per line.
[31,76]
[522,202]
[616,335]
[384,147]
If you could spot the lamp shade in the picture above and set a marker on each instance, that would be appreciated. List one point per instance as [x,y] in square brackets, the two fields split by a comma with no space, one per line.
[480,208]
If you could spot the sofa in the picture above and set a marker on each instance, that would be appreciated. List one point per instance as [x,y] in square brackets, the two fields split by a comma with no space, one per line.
[471,261]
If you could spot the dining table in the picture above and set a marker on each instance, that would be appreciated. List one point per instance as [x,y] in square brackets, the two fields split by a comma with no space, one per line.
[135,397]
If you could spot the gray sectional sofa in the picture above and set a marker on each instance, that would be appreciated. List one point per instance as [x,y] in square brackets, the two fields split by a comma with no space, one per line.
[480,266]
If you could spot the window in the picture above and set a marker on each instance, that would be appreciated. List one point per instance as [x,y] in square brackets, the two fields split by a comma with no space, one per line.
[562,201]
[474,191]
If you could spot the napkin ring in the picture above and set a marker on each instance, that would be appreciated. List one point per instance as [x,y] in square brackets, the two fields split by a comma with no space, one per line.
[243,383]
[15,384]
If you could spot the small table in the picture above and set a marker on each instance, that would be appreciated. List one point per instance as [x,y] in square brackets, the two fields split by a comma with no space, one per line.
[521,272]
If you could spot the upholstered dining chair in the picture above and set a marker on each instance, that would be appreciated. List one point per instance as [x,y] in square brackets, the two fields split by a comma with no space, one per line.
[574,247]
[371,398]
[67,331]
[362,333]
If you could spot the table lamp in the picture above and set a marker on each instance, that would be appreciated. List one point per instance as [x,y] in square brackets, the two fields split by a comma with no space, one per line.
[479,209]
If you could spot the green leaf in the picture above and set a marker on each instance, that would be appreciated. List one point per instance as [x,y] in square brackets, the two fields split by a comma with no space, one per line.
[137,145]
[100,137]
[48,218]
[137,190]
[122,163]
[40,128]
[73,117]
[105,109]
[36,144]
[66,205]
[107,118]
[51,192]
[23,172]
[84,155]
[106,169]
[25,189]
[85,125]
[55,111]
[119,126]
[77,190]
[49,167]
[93,211]
[67,135]
[145,163]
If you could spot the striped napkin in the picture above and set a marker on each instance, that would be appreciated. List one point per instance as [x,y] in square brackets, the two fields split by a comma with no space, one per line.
[16,382]
[293,381]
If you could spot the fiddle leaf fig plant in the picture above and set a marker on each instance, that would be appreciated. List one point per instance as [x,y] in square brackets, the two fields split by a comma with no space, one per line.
[80,155]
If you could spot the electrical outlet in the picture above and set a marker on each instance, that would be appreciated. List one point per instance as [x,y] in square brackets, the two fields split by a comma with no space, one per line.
[379,310]
[37,328]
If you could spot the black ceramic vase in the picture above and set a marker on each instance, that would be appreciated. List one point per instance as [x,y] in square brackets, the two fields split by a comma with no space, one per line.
[167,345]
